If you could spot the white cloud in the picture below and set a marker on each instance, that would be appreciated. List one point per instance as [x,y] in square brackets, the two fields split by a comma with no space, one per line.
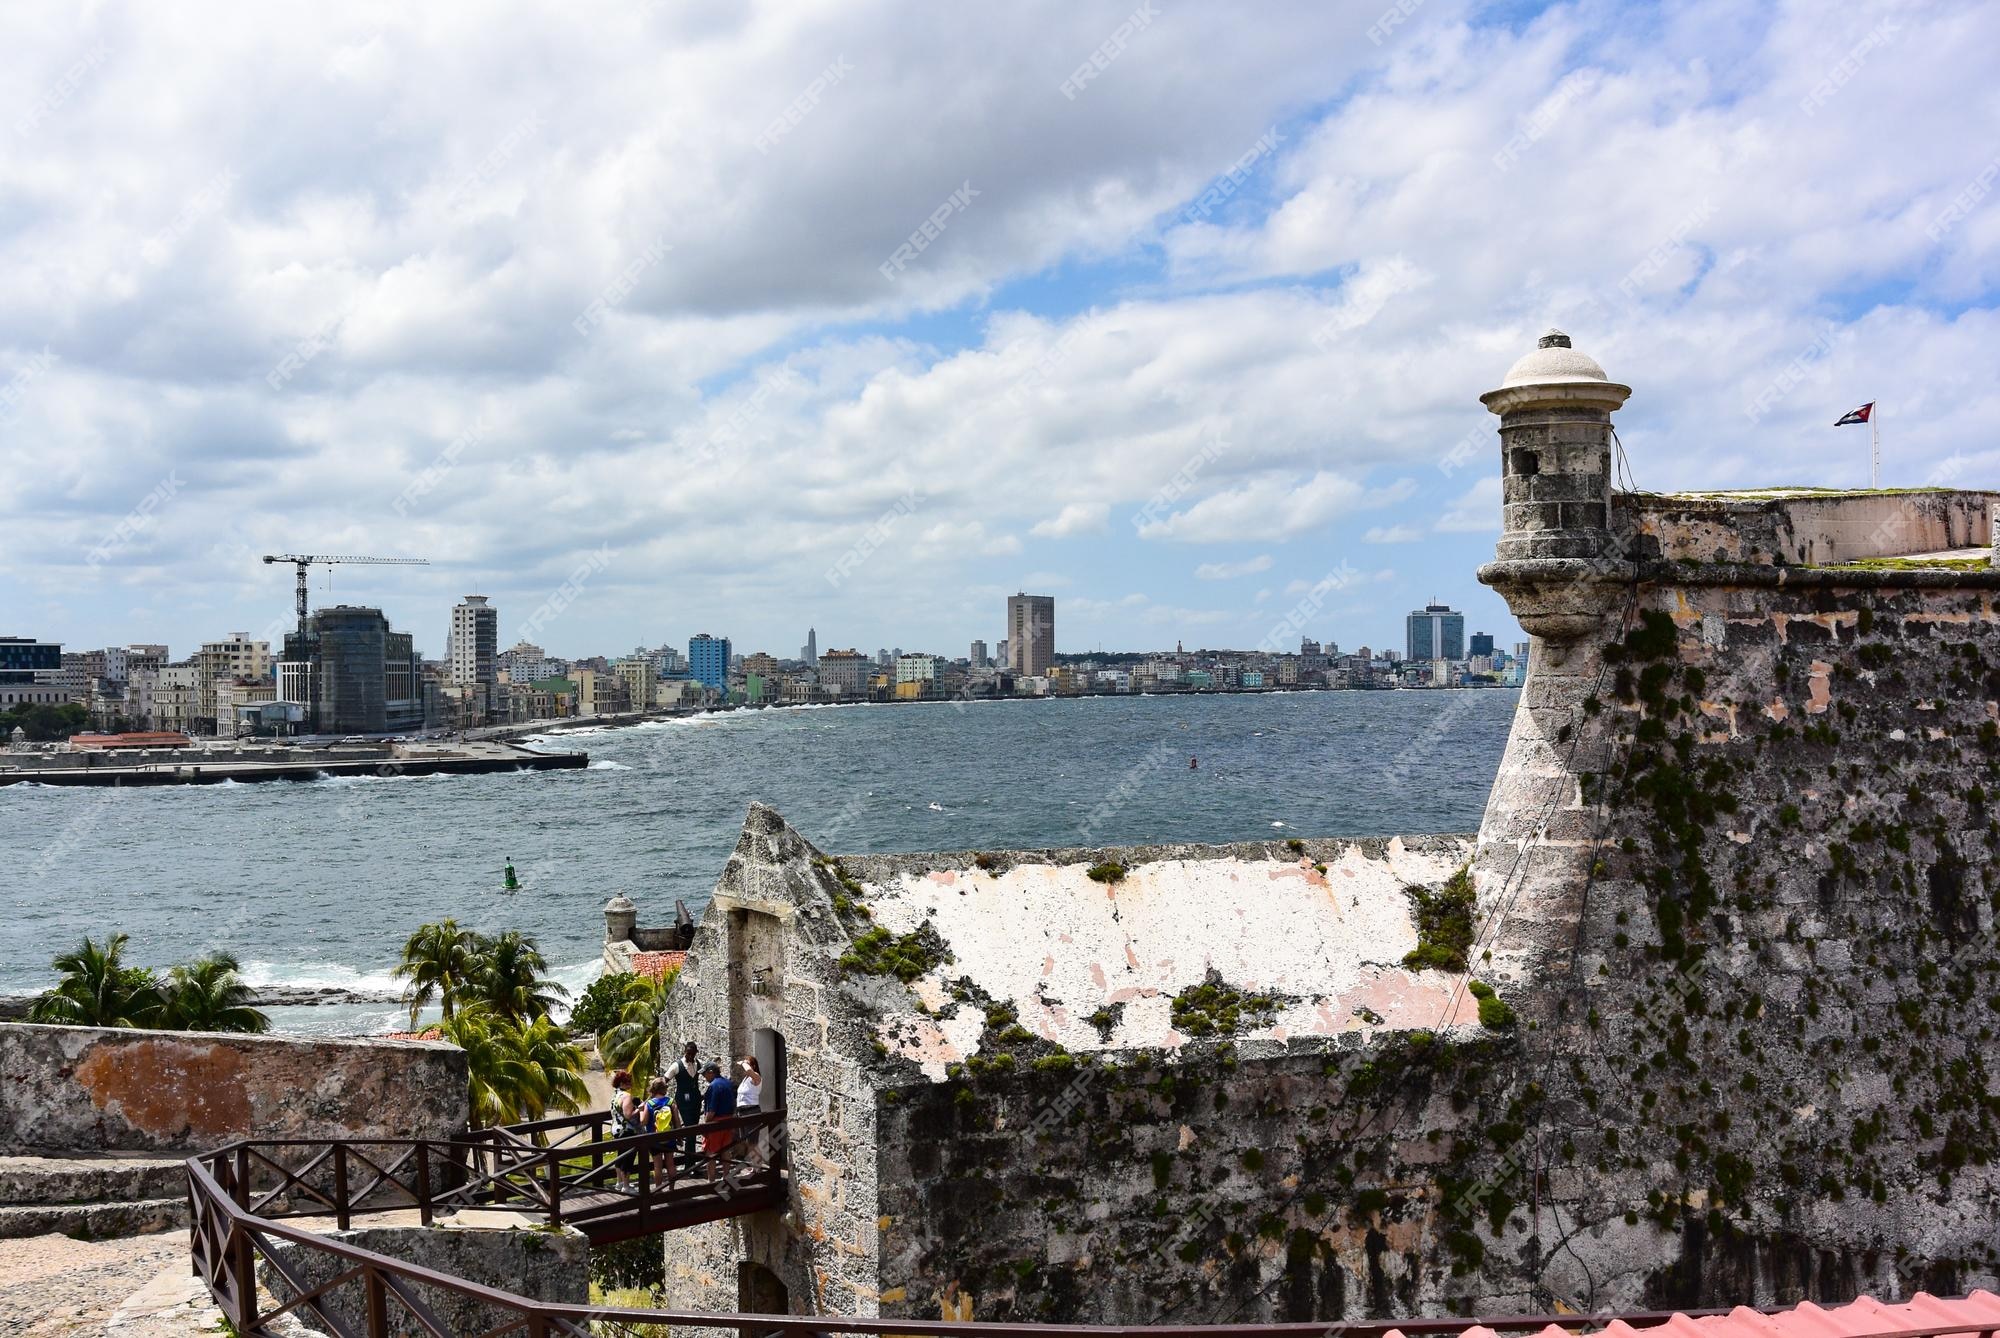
[1076,518]
[1392,534]
[1229,571]
[1271,505]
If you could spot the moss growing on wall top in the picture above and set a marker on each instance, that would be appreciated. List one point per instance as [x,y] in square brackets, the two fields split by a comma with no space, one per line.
[1444,923]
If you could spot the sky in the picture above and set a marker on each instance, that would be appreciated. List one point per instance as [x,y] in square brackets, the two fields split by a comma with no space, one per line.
[649,320]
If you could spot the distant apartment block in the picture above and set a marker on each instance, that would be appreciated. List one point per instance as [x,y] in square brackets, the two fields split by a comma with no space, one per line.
[844,673]
[640,680]
[474,642]
[1031,634]
[525,662]
[977,659]
[708,660]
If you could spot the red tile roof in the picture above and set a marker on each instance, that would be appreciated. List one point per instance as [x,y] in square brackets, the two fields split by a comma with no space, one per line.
[656,964]
[1976,1314]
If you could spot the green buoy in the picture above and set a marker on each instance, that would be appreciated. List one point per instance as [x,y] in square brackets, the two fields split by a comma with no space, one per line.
[513,883]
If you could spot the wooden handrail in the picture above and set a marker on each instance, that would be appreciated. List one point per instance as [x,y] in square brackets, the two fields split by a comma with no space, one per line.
[492,1168]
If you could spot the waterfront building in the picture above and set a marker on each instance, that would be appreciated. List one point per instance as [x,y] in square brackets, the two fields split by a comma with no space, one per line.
[1031,633]
[29,671]
[639,677]
[351,674]
[708,660]
[472,651]
[882,658]
[1481,644]
[977,659]
[810,651]
[761,664]
[916,668]
[600,692]
[1435,632]
[844,673]
[236,700]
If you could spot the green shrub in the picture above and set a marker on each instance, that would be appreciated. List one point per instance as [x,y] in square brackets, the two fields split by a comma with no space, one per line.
[1108,872]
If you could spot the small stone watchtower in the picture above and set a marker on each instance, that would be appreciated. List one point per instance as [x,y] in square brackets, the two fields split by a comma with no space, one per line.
[621,917]
[1555,409]
[1557,565]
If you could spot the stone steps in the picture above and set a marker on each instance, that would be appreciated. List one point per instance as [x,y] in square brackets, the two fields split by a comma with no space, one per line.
[93,1221]
[91,1197]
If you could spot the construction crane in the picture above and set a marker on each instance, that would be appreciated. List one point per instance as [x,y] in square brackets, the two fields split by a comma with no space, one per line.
[304,560]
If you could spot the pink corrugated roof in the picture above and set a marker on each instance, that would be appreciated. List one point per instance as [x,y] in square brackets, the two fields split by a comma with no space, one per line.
[1923,1314]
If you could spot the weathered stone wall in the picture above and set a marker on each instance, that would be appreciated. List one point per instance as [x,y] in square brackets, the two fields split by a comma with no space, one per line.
[65,1089]
[1798,527]
[1755,946]
[539,1263]
[781,972]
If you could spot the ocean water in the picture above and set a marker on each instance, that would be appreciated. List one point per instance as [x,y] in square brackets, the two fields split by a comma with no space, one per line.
[319,883]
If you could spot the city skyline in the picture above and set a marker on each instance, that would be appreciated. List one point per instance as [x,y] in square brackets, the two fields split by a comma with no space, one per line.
[1175,370]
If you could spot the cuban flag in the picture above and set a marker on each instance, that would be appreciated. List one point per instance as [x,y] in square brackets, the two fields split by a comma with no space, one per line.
[1856,415]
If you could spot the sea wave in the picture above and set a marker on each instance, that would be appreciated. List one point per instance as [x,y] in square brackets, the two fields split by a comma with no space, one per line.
[606,764]
[320,975]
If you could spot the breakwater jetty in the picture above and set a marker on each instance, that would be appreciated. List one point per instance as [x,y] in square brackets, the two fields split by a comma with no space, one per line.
[246,762]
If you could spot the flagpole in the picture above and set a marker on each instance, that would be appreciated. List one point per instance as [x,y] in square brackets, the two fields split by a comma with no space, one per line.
[1874,451]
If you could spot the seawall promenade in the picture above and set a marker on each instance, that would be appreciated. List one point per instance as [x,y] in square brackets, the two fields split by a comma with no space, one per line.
[217,764]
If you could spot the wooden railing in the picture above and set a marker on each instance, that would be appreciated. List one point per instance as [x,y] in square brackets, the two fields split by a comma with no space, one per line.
[561,1169]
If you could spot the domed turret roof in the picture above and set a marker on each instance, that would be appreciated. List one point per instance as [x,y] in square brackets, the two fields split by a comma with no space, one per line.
[1553,360]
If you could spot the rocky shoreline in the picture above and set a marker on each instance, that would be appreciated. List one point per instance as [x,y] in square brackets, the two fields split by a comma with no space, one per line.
[14,1007]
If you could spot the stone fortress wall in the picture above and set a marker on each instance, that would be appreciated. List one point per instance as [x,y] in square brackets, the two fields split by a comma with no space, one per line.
[1733,913]
[66,1090]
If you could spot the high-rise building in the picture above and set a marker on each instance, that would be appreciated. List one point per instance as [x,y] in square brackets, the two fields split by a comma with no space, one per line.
[1031,634]
[810,652]
[1482,644]
[475,642]
[708,660]
[352,674]
[1436,632]
[978,656]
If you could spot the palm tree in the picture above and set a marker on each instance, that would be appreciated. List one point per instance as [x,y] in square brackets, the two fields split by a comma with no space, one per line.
[633,1042]
[439,961]
[501,1082]
[548,1049]
[511,978]
[516,1072]
[97,989]
[208,994]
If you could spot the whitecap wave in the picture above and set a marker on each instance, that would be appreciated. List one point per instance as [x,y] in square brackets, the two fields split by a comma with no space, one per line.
[320,975]
[606,764]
